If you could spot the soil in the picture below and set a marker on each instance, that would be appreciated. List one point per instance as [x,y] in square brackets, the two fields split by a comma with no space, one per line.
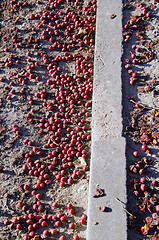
[37,77]
[144,91]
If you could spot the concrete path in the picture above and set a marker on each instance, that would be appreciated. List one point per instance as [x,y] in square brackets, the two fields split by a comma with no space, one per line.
[108,161]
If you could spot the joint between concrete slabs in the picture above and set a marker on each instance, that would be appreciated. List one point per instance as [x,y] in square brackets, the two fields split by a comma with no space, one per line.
[108,161]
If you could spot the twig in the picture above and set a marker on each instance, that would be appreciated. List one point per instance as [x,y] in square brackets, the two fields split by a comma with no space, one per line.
[42,148]
[124,207]
[48,148]
[141,105]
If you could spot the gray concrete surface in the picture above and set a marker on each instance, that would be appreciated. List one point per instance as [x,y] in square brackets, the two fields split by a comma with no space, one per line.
[108,161]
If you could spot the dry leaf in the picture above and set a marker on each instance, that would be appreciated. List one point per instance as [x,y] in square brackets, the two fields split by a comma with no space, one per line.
[103,208]
[112,16]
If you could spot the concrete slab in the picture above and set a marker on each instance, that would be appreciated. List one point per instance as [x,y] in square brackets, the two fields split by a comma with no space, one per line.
[107,171]
[107,96]
[108,161]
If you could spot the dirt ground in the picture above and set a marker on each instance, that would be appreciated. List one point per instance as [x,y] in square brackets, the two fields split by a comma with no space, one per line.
[140,109]
[46,61]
